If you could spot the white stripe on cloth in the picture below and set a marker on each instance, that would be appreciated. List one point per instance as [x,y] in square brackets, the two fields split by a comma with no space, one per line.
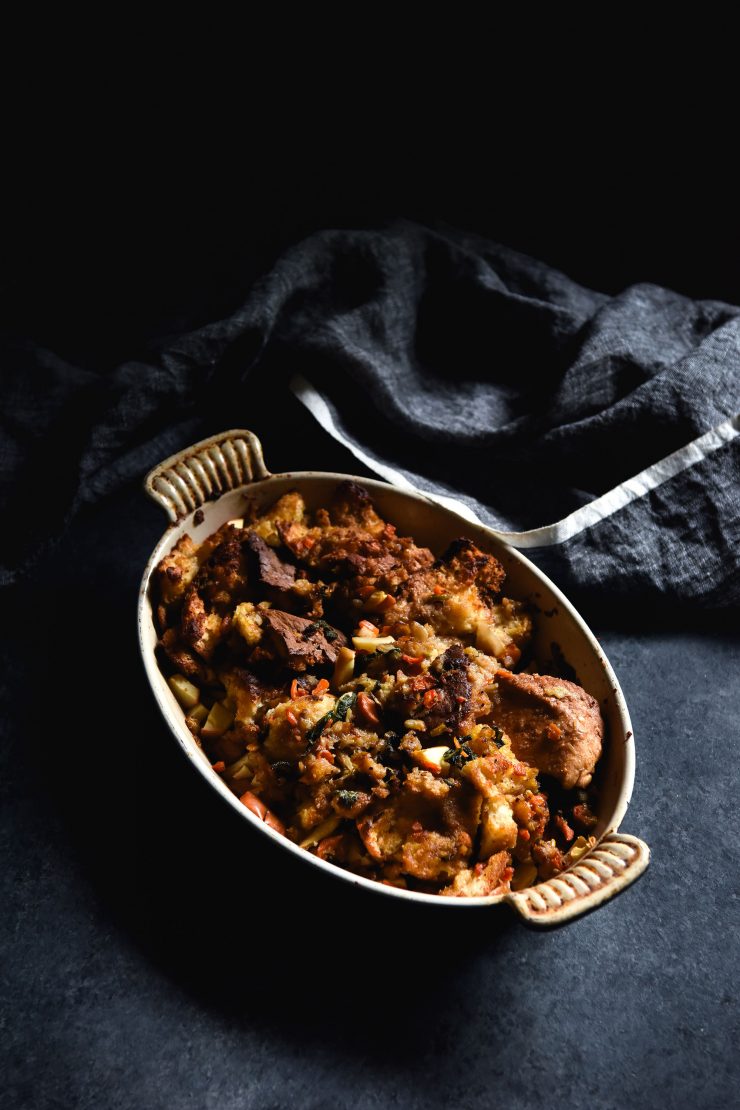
[562,530]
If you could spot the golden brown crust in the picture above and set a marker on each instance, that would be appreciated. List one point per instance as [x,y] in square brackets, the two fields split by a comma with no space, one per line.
[412,757]
[177,570]
[482,880]
[455,594]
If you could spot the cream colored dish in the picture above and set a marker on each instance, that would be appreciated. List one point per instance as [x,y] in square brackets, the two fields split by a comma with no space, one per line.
[205,485]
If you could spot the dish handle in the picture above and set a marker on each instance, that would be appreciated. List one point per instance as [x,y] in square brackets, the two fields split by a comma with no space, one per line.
[609,868]
[185,481]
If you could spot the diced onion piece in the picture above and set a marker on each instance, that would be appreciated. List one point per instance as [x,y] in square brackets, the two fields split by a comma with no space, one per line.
[490,639]
[238,522]
[219,719]
[199,714]
[237,765]
[372,643]
[579,847]
[344,668]
[417,726]
[324,829]
[524,876]
[187,694]
[379,601]
[431,759]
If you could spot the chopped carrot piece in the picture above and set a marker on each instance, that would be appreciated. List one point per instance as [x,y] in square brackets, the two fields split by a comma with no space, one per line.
[259,809]
[329,846]
[251,801]
[413,660]
[429,698]
[369,628]
[291,718]
[366,707]
[387,603]
[438,589]
[219,766]
[321,687]
[295,687]
[365,591]
[308,542]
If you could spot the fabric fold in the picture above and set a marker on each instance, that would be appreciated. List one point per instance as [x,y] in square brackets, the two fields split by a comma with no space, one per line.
[602,427]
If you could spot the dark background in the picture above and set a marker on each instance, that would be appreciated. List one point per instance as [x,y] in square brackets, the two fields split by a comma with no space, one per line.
[98,275]
[156,953]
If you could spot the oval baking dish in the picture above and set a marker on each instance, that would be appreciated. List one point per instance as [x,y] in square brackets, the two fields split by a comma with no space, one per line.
[204,486]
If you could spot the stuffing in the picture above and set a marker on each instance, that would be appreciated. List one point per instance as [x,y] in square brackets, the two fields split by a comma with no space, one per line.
[289,509]
[358,693]
[482,880]
[177,570]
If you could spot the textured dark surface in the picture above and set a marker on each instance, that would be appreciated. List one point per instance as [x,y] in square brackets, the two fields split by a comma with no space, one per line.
[157,954]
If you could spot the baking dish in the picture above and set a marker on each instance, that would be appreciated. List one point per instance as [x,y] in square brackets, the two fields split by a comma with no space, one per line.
[205,485]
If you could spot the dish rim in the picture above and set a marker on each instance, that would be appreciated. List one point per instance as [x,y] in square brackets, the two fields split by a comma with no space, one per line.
[190,748]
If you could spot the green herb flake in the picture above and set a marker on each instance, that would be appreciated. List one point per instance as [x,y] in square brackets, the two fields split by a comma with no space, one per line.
[315,731]
[343,706]
[330,633]
[281,767]
[458,757]
[347,798]
[338,713]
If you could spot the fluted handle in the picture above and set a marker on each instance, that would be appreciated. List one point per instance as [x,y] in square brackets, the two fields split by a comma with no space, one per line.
[204,471]
[608,868]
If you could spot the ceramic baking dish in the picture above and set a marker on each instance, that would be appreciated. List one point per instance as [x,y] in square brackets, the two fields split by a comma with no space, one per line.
[205,485]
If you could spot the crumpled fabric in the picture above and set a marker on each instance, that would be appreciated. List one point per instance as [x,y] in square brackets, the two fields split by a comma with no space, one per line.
[462,366]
